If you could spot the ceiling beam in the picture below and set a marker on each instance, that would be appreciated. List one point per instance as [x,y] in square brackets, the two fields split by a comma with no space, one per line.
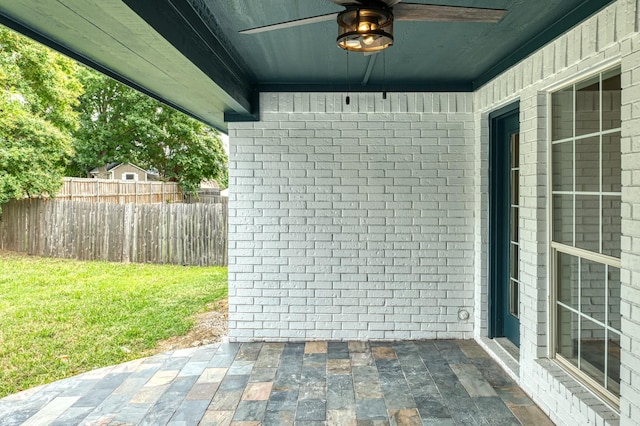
[454,86]
[182,26]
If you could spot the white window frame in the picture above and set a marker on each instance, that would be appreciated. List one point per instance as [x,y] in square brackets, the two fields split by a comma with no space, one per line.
[125,176]
[610,399]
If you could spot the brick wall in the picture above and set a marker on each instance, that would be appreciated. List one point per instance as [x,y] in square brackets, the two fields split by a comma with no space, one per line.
[352,222]
[630,274]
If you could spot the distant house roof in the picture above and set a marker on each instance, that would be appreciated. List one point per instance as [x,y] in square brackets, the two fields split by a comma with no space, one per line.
[209,184]
[108,167]
[112,166]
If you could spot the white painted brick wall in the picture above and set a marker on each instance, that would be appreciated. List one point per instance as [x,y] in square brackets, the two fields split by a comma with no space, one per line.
[352,222]
[630,274]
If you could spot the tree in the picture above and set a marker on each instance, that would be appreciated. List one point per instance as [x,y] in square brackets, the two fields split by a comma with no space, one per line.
[38,93]
[119,124]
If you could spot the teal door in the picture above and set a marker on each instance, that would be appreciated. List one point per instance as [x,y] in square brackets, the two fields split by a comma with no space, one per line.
[504,253]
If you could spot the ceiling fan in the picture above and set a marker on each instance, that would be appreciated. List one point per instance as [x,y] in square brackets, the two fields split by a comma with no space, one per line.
[367,25]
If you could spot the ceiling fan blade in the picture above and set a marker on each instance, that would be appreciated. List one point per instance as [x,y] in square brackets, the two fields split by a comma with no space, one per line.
[383,3]
[432,12]
[366,3]
[290,24]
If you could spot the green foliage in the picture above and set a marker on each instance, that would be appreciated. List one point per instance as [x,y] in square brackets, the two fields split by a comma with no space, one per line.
[63,317]
[119,124]
[47,129]
[38,96]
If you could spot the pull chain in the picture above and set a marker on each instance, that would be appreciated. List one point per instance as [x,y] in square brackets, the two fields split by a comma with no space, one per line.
[384,74]
[348,99]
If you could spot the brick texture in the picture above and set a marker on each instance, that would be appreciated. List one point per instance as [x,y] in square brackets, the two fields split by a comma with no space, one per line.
[352,222]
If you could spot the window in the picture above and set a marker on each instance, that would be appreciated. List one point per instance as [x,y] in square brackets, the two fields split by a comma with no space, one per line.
[586,224]
[130,176]
[514,245]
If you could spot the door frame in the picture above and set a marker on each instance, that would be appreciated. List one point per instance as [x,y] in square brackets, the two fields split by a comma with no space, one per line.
[498,261]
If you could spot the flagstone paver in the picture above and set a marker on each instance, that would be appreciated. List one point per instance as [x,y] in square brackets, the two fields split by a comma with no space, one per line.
[440,382]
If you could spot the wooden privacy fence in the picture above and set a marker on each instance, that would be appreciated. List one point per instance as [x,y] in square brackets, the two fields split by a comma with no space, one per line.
[181,234]
[119,191]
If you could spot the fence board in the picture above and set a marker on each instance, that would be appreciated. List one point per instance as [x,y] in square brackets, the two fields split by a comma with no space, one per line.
[182,234]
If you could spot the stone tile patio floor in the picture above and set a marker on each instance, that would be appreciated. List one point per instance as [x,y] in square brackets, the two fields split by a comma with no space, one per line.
[441,382]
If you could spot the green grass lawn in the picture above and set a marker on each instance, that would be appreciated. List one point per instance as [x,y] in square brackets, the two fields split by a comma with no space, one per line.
[61,317]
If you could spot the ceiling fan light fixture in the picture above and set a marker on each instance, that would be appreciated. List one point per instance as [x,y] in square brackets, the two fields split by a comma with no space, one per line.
[365,29]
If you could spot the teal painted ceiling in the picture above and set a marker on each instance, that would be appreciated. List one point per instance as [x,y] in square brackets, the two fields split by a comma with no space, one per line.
[424,53]
[190,53]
